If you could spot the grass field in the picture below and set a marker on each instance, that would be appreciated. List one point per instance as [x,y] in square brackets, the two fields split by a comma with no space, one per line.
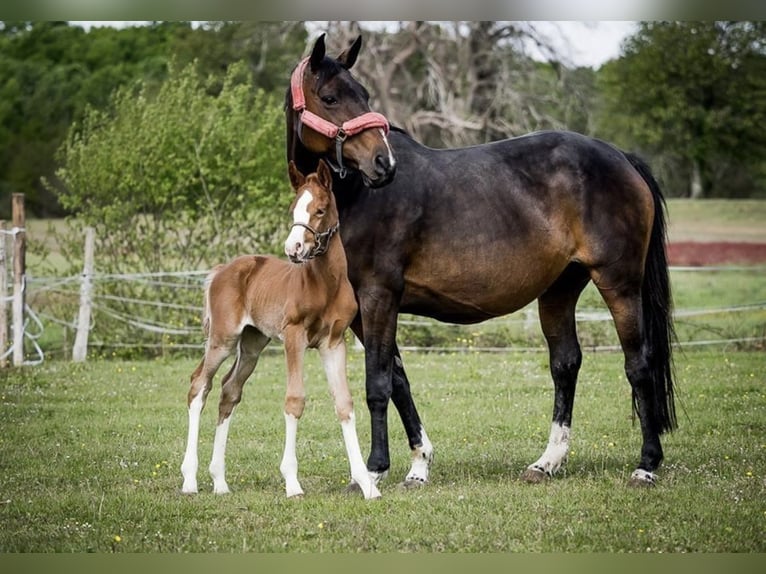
[91,454]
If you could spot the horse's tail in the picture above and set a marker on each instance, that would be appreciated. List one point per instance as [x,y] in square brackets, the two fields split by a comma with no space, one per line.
[206,300]
[657,308]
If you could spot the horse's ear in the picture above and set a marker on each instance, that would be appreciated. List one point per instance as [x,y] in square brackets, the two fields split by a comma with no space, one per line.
[347,58]
[324,175]
[317,53]
[296,177]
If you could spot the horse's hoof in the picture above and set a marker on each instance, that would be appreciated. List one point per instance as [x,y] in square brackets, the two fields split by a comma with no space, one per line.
[353,488]
[642,479]
[412,483]
[534,476]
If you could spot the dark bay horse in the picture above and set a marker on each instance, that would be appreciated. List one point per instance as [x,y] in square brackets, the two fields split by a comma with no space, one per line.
[464,235]
[306,303]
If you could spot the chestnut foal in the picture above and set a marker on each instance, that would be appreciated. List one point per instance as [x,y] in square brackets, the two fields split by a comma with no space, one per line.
[306,303]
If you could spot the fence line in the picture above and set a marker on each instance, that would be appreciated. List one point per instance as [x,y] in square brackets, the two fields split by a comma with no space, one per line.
[138,313]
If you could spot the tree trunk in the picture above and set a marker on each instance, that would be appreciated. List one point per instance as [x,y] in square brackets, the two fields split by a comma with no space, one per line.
[696,191]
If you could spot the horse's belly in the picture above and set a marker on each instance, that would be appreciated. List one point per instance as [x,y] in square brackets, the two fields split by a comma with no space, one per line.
[467,295]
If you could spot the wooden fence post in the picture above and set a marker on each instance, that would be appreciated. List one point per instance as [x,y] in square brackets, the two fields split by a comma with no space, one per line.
[19,279]
[80,349]
[3,296]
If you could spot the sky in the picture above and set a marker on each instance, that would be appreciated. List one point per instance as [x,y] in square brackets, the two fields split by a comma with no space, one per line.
[585,43]
[589,43]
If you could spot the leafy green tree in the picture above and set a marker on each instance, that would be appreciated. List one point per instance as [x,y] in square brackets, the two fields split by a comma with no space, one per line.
[173,180]
[694,94]
[181,179]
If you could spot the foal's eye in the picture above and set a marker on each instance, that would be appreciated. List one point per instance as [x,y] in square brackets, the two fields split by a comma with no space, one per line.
[320,212]
[329,100]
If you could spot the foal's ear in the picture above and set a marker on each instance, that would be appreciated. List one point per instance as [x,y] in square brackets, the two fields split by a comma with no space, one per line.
[348,56]
[317,54]
[296,177]
[324,175]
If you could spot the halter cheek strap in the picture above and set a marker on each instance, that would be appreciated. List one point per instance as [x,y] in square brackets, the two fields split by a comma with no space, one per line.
[321,240]
[328,129]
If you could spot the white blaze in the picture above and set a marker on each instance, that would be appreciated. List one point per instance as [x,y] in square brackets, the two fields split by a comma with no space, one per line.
[294,242]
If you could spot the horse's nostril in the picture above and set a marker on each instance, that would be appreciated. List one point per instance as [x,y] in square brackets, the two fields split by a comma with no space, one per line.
[382,164]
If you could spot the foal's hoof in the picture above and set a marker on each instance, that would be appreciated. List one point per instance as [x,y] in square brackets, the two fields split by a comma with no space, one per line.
[534,475]
[642,479]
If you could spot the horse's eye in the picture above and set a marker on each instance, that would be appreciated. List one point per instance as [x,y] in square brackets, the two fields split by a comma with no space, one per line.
[329,100]
[320,212]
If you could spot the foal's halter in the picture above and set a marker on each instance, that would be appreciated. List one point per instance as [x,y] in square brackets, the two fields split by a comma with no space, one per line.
[321,240]
[326,128]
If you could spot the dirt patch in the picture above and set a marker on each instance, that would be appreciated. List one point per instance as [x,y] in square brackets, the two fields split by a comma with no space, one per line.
[701,254]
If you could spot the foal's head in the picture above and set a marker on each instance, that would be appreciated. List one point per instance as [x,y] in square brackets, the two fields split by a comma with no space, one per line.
[315,216]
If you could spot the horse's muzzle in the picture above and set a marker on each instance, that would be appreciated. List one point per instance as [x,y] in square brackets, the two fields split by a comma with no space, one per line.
[385,170]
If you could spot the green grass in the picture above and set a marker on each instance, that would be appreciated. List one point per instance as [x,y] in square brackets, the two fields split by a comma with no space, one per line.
[90,457]
[717,220]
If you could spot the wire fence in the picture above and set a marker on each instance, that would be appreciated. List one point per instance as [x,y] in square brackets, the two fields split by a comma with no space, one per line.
[160,313]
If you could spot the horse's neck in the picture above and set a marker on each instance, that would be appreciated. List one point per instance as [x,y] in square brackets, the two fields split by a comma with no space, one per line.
[331,267]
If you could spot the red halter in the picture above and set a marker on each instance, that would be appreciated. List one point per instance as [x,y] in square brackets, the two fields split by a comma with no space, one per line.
[326,128]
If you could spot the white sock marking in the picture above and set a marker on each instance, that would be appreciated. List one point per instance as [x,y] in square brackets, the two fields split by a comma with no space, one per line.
[556,452]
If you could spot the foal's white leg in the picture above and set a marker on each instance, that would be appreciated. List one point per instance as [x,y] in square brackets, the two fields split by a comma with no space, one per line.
[191,462]
[289,465]
[555,453]
[217,466]
[334,361]
[295,401]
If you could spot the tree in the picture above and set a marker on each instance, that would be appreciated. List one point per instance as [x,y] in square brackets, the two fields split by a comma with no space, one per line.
[181,179]
[456,83]
[693,93]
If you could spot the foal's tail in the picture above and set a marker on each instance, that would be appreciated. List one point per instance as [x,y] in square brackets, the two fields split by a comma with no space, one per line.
[657,305]
[206,301]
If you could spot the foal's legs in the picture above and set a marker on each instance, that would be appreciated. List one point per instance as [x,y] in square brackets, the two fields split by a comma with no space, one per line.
[295,401]
[251,344]
[334,361]
[557,318]
[201,383]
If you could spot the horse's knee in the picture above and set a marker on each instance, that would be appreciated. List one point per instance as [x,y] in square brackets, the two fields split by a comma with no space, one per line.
[566,366]
[294,405]
[230,398]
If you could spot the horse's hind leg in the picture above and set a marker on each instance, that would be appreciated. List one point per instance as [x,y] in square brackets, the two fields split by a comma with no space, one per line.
[421,448]
[557,318]
[251,343]
[624,302]
[201,383]
[334,361]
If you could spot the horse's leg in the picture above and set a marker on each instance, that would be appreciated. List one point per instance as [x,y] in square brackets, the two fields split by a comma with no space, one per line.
[251,344]
[422,450]
[295,401]
[557,318]
[201,383]
[378,310]
[334,361]
[624,301]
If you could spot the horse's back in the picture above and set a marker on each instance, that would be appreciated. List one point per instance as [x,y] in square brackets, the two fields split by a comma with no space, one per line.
[481,231]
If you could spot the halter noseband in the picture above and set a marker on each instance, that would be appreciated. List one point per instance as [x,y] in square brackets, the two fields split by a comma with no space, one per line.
[321,240]
[326,128]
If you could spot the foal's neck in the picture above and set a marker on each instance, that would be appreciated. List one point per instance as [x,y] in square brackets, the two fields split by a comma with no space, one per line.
[332,266]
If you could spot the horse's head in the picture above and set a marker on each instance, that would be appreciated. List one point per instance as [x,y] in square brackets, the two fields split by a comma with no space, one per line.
[329,114]
[315,215]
